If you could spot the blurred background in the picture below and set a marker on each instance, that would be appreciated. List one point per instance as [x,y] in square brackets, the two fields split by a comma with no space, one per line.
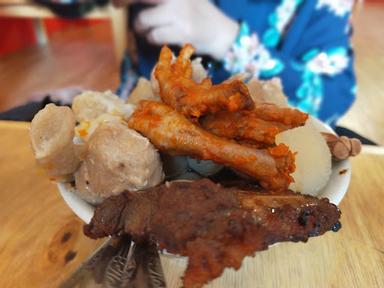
[41,52]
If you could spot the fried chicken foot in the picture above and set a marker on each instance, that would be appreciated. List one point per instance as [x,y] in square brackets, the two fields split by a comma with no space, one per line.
[243,127]
[249,126]
[287,116]
[215,227]
[172,133]
[192,99]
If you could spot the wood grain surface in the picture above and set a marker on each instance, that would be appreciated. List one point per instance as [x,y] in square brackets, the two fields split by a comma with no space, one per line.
[41,241]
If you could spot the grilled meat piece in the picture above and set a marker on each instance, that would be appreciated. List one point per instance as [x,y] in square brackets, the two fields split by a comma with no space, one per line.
[215,227]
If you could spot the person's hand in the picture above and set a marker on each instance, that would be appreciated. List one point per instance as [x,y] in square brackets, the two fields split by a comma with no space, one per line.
[123,3]
[197,22]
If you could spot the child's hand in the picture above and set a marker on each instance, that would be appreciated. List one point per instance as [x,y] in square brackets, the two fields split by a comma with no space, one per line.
[197,22]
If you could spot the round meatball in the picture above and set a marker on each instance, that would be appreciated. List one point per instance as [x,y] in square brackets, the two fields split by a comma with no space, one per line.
[118,159]
[51,134]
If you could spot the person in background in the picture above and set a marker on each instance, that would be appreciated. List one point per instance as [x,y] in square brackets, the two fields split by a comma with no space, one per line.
[306,43]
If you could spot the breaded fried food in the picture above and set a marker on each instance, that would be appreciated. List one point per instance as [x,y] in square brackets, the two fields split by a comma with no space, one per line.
[215,227]
[192,99]
[173,133]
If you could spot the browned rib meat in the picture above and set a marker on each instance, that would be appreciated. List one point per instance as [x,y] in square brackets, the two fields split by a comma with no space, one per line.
[215,227]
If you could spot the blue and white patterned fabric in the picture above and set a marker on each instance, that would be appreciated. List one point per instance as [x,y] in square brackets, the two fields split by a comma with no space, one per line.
[304,42]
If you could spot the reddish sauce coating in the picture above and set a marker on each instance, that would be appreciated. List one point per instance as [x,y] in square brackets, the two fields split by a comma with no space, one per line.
[192,99]
[173,133]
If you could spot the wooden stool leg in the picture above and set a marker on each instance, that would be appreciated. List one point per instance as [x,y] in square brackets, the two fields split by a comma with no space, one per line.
[41,35]
[119,31]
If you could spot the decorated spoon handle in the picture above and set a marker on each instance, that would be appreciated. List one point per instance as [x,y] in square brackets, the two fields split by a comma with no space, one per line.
[120,263]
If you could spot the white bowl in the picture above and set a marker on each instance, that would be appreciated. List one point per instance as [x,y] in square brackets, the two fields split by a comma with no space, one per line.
[335,189]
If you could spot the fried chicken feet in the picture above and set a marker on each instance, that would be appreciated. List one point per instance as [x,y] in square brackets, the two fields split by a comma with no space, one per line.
[172,133]
[258,127]
[192,99]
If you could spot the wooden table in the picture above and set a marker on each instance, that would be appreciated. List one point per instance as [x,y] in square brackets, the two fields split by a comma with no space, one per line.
[41,241]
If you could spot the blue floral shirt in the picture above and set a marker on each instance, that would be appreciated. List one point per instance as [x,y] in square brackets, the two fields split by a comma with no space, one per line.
[304,42]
